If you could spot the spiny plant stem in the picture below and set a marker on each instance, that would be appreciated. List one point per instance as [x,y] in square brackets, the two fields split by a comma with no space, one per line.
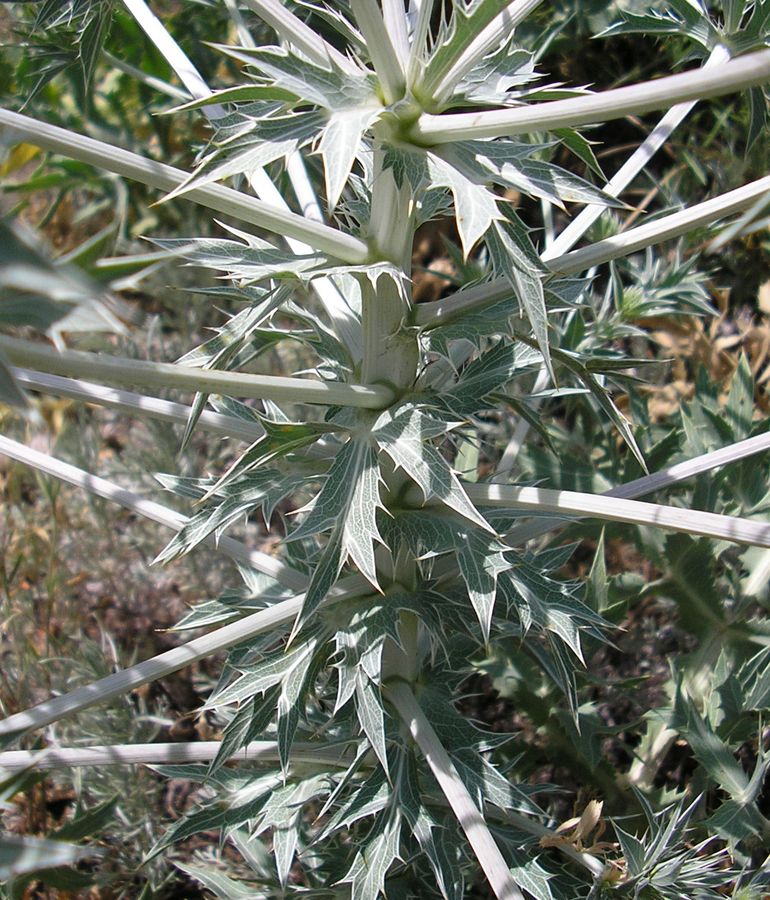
[747,71]
[171,375]
[166,178]
[471,821]
[391,353]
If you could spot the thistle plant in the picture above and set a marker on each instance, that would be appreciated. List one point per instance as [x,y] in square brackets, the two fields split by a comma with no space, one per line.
[412,555]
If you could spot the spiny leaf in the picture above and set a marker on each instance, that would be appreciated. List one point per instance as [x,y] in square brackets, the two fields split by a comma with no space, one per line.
[341,144]
[526,279]
[403,434]
[467,20]
[367,874]
[348,501]
[475,206]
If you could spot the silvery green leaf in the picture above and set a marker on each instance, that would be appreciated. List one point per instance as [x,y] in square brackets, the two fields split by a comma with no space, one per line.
[349,500]
[340,145]
[490,81]
[235,500]
[407,164]
[466,22]
[709,749]
[324,576]
[527,872]
[291,701]
[633,850]
[218,350]
[329,87]
[581,147]
[738,821]
[480,555]
[685,18]
[475,206]
[285,840]
[342,24]
[254,145]
[487,373]
[282,813]
[347,674]
[251,719]
[219,814]
[248,263]
[435,838]
[259,678]
[369,798]
[217,882]
[513,260]
[371,716]
[574,364]
[403,433]
[367,874]
[549,182]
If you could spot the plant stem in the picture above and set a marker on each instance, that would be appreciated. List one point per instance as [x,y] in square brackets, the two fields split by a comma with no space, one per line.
[391,354]
[384,57]
[137,404]
[394,17]
[471,821]
[390,351]
[166,178]
[726,528]
[631,168]
[172,53]
[747,71]
[657,481]
[147,754]
[209,381]
[432,315]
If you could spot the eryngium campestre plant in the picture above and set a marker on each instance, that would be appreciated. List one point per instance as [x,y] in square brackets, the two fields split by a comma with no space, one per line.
[407,561]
